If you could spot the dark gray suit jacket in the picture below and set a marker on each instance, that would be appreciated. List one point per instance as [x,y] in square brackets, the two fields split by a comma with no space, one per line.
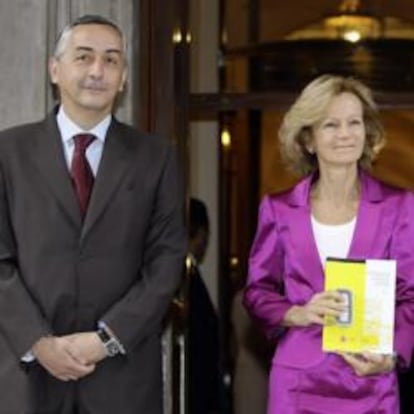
[60,276]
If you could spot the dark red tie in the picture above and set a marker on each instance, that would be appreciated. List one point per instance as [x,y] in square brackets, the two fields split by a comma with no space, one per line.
[81,172]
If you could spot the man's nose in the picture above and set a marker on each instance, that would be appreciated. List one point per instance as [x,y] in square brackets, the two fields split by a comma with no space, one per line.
[97,68]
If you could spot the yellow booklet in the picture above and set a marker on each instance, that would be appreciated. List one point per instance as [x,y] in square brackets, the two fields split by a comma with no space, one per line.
[368,289]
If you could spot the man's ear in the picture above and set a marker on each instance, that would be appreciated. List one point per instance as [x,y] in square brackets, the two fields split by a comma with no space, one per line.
[53,70]
[124,80]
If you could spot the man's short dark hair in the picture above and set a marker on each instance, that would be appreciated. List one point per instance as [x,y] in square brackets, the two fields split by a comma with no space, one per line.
[198,216]
[95,19]
[85,20]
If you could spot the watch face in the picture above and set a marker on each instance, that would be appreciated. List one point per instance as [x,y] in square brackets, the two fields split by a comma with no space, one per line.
[110,344]
[112,348]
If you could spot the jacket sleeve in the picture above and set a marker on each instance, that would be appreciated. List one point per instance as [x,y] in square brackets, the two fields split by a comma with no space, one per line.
[140,311]
[21,321]
[263,295]
[402,249]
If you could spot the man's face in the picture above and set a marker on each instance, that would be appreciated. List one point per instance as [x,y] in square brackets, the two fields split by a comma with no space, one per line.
[90,71]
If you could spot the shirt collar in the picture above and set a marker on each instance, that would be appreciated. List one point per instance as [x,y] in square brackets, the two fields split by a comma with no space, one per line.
[68,128]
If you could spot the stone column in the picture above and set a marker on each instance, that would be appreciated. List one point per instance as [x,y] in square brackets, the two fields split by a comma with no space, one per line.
[204,141]
[23,45]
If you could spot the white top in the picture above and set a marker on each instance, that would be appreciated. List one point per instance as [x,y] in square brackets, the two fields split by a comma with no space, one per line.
[333,240]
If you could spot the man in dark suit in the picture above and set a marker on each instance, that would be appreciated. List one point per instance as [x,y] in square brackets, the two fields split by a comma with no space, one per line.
[205,386]
[86,275]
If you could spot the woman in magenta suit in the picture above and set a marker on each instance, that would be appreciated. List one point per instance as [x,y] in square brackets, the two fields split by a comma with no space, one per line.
[330,136]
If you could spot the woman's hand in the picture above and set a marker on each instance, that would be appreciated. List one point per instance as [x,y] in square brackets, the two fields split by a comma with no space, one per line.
[369,364]
[329,303]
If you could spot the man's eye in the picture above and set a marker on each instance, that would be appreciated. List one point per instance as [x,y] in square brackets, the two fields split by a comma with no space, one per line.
[82,58]
[111,60]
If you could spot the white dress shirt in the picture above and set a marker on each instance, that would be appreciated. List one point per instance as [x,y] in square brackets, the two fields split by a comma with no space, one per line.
[68,129]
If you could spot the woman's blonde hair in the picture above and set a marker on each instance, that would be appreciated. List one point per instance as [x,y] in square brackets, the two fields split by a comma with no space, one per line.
[295,133]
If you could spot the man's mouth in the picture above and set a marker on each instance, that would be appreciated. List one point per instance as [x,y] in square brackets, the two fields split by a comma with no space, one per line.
[94,87]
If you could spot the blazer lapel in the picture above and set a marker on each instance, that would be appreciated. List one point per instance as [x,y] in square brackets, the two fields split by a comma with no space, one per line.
[114,163]
[50,160]
[368,218]
[302,236]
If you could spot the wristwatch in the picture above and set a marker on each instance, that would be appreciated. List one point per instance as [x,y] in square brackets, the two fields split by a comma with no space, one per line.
[109,342]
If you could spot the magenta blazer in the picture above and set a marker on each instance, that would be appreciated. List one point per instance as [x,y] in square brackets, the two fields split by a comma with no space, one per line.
[285,269]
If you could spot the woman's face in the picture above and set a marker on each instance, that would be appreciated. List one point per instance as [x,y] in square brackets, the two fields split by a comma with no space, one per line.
[339,138]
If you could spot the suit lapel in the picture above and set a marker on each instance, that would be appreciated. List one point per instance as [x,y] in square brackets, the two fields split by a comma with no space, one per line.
[49,158]
[114,163]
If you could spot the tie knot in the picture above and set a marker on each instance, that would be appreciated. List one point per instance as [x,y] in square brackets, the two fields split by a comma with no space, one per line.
[82,141]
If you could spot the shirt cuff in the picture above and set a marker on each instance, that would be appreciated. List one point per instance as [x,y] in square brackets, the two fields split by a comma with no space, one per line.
[28,357]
